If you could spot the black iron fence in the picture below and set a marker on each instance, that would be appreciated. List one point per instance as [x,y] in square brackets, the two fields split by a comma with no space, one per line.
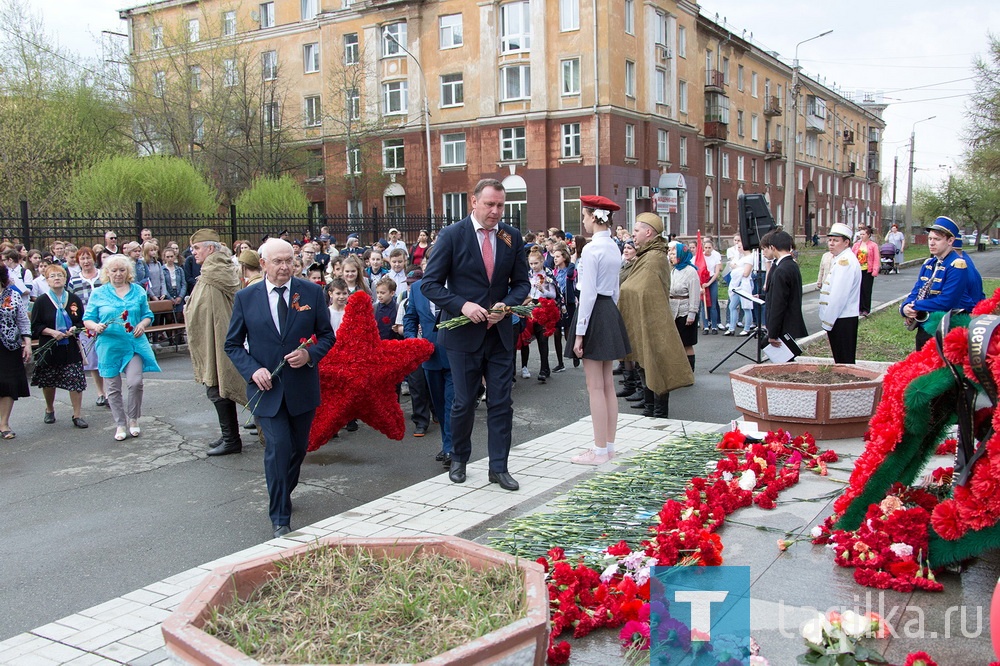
[39,231]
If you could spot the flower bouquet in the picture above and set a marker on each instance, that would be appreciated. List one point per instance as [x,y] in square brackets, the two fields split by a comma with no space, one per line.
[462,320]
[46,349]
[835,638]
[304,343]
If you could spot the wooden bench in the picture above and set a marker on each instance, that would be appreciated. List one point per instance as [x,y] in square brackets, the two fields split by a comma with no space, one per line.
[166,309]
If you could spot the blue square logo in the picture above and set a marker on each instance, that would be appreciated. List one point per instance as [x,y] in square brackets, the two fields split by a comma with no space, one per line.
[698,613]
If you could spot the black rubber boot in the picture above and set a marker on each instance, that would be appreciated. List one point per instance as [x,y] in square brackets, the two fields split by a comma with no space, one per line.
[631,378]
[691,361]
[661,404]
[649,403]
[229,423]
[620,369]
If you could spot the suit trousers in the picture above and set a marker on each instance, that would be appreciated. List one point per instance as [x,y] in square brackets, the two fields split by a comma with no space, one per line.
[420,402]
[843,338]
[287,438]
[495,362]
[442,394]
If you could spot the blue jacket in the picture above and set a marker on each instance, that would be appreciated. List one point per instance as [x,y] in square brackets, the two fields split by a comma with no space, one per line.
[950,280]
[116,346]
[418,313]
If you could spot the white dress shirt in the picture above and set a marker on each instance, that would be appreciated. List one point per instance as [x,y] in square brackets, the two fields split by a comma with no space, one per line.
[597,275]
[272,301]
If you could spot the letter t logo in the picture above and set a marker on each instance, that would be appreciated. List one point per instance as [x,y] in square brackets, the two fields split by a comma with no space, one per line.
[701,608]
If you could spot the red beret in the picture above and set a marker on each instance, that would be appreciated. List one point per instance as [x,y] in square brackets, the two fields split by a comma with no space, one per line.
[597,201]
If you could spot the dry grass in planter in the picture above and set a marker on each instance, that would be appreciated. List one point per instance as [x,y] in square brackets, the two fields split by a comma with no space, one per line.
[343,606]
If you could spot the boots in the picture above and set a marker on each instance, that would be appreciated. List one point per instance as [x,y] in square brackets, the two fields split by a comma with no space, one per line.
[229,423]
[691,361]
[620,370]
[648,403]
[661,405]
[628,387]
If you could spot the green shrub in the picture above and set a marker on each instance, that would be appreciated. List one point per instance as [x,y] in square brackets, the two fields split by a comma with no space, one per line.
[164,185]
[273,196]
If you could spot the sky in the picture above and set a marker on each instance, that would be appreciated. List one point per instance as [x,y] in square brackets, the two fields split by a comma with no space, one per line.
[919,54]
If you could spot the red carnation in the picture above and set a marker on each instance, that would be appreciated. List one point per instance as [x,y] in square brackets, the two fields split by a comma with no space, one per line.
[946,521]
[558,653]
[128,327]
[919,659]
[125,315]
[619,549]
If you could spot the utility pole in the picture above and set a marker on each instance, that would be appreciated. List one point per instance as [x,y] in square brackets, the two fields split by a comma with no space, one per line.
[895,176]
[909,180]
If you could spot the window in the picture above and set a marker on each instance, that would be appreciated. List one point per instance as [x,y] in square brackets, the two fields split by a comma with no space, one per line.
[569,15]
[741,168]
[682,96]
[725,165]
[753,84]
[267,14]
[194,30]
[630,140]
[571,140]
[195,74]
[660,26]
[450,30]
[682,41]
[354,160]
[394,97]
[453,149]
[754,123]
[767,174]
[393,39]
[271,116]
[452,90]
[228,23]
[630,17]
[662,145]
[395,207]
[314,111]
[159,83]
[310,58]
[753,169]
[353,105]
[314,164]
[310,8]
[269,65]
[515,27]
[739,78]
[351,48]
[725,70]
[515,83]
[515,208]
[811,149]
[392,155]
[156,38]
[199,128]
[455,207]
[629,78]
[571,211]
[660,80]
[683,150]
[230,75]
[571,76]
[709,166]
[512,144]
[739,123]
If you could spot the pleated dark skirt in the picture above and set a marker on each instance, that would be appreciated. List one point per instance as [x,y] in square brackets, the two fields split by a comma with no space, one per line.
[606,338]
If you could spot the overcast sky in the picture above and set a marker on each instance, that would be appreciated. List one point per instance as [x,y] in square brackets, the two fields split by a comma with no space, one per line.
[919,54]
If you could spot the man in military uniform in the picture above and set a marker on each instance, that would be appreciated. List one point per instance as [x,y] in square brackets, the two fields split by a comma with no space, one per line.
[839,296]
[942,286]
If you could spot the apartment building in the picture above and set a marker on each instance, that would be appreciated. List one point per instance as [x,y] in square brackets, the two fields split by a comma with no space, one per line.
[647,102]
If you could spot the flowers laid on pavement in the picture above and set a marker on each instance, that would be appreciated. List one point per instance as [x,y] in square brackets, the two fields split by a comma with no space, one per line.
[836,638]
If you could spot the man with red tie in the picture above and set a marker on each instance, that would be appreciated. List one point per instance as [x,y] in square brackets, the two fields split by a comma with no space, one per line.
[478,269]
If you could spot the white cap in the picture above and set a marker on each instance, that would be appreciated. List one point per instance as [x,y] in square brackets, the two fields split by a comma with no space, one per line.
[840,229]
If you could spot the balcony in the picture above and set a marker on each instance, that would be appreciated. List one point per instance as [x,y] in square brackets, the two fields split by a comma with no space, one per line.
[873,175]
[815,123]
[873,147]
[716,132]
[772,106]
[772,150]
[715,80]
[848,137]
[851,168]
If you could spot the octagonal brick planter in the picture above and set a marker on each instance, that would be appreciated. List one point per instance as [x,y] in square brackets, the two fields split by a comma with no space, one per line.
[523,642]
[827,411]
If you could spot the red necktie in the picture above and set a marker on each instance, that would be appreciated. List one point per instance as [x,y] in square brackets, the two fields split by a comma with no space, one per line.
[487,254]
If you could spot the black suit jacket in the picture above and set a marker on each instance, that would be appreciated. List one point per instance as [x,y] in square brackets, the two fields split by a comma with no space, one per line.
[456,274]
[784,300]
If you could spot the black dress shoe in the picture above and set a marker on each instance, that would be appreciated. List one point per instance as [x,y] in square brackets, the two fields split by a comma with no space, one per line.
[281,530]
[352,426]
[225,449]
[50,417]
[446,461]
[440,456]
[505,480]
[217,443]
[78,422]
[421,431]
[101,400]
[456,472]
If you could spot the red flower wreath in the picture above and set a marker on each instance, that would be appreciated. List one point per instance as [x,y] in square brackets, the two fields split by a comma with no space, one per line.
[358,377]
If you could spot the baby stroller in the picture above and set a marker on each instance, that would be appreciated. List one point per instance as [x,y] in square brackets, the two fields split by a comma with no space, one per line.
[887,259]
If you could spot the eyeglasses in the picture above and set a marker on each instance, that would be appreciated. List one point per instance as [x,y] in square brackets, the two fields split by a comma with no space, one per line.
[112,237]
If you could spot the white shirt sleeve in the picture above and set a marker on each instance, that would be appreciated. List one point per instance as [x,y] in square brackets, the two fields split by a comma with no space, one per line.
[586,281]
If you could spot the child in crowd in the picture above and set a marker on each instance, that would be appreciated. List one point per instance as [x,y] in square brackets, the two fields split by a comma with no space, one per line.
[336,294]
[315,274]
[386,308]
[397,270]
[353,275]
[335,269]
[375,271]
[543,285]
[565,274]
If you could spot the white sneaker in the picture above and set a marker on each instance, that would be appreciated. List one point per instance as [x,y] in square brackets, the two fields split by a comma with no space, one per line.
[525,373]
[404,388]
[589,457]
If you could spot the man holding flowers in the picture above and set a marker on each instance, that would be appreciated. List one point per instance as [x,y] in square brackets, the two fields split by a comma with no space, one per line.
[273,317]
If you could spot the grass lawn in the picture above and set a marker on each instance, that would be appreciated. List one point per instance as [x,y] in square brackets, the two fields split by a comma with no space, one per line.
[883,336]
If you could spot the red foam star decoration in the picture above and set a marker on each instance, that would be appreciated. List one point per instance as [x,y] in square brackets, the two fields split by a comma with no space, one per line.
[358,377]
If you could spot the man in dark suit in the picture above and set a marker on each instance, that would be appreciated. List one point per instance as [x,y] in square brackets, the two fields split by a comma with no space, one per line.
[783,289]
[418,322]
[478,265]
[273,316]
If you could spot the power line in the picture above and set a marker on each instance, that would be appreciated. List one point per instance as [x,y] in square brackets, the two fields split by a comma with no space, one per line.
[930,85]
[931,99]
[46,49]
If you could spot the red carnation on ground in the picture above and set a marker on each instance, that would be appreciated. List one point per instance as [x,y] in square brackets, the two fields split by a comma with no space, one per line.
[919,659]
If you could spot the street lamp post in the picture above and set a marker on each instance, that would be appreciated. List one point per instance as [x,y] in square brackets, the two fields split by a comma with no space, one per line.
[909,179]
[427,121]
[791,131]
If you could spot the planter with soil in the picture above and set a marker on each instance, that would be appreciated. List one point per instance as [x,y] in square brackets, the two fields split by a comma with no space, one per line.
[418,600]
[828,400]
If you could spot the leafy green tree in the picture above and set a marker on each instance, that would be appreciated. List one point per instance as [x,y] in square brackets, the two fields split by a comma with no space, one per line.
[54,116]
[971,199]
[165,186]
[983,113]
[273,196]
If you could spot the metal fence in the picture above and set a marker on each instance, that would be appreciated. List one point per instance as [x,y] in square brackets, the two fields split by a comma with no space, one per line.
[39,231]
